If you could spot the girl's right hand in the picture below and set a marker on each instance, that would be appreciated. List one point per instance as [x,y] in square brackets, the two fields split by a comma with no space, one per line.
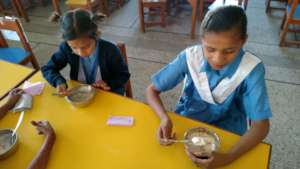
[62,89]
[165,132]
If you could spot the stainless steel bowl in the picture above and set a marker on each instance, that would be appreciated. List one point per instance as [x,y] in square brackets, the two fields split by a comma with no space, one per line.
[201,142]
[81,95]
[8,144]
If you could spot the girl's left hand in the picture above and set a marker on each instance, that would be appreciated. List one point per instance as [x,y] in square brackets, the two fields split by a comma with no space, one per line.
[101,85]
[214,161]
[44,127]
[13,97]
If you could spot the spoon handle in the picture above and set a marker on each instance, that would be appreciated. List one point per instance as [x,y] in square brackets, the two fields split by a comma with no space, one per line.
[18,123]
[176,141]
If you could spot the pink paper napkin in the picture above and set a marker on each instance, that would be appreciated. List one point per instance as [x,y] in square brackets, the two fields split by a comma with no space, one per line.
[33,88]
[120,121]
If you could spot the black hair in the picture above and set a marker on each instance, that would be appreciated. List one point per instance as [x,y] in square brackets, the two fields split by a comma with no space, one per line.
[225,18]
[78,23]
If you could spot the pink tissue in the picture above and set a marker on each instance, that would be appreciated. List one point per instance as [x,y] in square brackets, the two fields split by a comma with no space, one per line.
[120,121]
[33,88]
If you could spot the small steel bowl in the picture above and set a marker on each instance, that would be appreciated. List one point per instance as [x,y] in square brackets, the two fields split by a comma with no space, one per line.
[8,144]
[210,141]
[81,95]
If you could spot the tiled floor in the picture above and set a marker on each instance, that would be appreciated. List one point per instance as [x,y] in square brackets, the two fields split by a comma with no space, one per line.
[150,51]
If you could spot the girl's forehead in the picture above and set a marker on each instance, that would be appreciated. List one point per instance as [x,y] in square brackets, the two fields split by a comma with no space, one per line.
[80,42]
[222,39]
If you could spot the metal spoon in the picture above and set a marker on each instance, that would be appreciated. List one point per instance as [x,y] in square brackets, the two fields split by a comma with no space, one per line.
[194,140]
[176,141]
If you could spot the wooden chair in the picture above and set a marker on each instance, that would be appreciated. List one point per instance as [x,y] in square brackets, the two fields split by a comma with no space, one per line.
[13,54]
[241,3]
[152,5]
[119,3]
[18,10]
[269,7]
[92,5]
[128,89]
[291,16]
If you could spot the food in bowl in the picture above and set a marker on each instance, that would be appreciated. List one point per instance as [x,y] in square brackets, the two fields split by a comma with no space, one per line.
[81,95]
[201,141]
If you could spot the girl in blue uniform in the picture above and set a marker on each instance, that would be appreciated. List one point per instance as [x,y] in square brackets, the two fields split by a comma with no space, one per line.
[223,85]
[92,60]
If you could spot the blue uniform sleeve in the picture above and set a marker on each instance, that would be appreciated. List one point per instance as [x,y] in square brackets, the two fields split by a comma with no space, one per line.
[255,98]
[51,71]
[171,75]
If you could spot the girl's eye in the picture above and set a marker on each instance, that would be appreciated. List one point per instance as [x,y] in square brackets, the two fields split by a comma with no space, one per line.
[230,51]
[211,49]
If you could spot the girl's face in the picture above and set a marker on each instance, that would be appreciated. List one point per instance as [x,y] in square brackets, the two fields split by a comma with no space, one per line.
[220,49]
[83,47]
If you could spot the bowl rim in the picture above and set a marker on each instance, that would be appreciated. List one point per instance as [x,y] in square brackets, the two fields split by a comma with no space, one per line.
[12,145]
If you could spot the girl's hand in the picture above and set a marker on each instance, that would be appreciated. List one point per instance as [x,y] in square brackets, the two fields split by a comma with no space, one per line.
[213,161]
[44,127]
[165,132]
[13,97]
[62,89]
[101,85]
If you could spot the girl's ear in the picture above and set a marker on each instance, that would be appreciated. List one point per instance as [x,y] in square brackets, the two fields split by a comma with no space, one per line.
[245,39]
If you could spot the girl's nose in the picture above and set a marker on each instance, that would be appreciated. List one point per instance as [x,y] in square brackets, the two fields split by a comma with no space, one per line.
[218,58]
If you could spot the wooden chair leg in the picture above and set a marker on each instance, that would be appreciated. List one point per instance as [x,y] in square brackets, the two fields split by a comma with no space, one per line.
[20,8]
[284,32]
[34,62]
[268,2]
[283,20]
[120,3]
[129,89]
[201,10]
[163,16]
[16,9]
[141,14]
[104,7]
[1,7]
[194,17]
[56,6]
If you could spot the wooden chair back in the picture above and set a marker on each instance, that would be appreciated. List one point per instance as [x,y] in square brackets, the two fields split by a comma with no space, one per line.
[128,88]
[13,24]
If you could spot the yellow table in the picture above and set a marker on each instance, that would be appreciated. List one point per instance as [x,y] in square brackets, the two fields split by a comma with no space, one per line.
[12,75]
[85,141]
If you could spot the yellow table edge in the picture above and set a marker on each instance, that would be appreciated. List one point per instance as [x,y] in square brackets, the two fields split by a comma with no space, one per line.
[34,71]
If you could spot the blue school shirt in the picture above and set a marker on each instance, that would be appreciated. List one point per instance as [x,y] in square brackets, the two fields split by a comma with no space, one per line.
[248,101]
[90,66]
